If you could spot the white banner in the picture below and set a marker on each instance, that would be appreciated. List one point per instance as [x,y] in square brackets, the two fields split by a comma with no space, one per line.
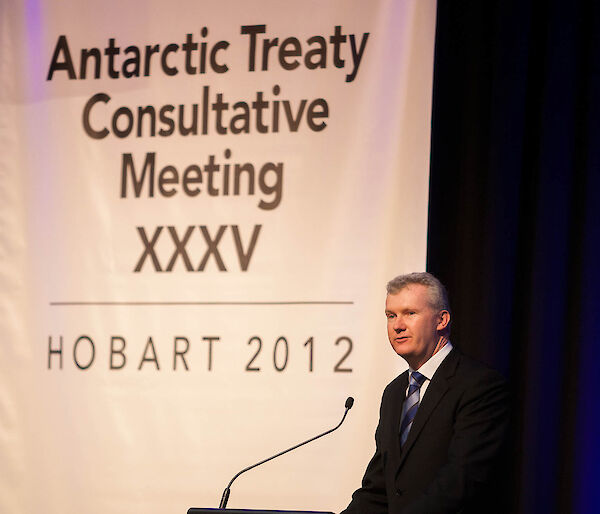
[201,203]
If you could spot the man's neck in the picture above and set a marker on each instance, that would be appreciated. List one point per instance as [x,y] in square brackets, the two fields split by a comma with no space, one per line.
[441,343]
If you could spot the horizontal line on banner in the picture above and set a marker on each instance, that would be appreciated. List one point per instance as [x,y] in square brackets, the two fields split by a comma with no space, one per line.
[63,304]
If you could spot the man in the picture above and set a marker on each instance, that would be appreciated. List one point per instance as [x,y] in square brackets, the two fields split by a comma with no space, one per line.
[442,423]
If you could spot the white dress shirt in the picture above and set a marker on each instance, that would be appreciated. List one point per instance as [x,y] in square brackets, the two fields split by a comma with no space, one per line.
[429,368]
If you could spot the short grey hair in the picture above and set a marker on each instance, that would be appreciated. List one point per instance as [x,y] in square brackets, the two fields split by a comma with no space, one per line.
[438,296]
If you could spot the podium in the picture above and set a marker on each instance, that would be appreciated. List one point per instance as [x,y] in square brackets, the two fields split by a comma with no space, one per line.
[252,511]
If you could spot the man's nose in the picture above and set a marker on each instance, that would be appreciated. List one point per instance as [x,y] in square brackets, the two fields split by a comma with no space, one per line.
[399,325]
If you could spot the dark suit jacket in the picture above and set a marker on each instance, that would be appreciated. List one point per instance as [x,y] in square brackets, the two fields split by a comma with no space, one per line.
[450,460]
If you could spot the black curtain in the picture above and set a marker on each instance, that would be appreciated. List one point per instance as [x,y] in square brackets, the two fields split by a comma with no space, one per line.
[514,227]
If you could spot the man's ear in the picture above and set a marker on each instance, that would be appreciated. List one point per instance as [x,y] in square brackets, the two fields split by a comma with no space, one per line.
[443,320]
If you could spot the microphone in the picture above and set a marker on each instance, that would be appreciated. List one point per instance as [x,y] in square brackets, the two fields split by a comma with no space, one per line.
[225,497]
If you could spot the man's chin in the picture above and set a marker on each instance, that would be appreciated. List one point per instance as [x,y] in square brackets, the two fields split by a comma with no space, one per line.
[401,349]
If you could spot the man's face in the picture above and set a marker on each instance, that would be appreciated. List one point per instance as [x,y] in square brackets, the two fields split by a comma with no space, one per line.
[412,324]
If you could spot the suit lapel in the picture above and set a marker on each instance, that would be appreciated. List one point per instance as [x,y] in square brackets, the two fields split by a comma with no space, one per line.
[435,392]
[396,414]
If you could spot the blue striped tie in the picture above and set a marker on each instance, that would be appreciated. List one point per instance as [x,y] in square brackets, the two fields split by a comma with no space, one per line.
[411,404]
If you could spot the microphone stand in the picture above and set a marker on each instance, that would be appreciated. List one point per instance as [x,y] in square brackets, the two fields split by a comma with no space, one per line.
[225,497]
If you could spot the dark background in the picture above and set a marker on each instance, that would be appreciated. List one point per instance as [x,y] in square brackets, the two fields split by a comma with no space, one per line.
[514,226]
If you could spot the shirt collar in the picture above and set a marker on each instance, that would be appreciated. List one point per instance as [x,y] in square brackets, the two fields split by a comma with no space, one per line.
[430,367]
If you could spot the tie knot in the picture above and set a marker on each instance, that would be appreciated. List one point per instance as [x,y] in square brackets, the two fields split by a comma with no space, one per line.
[417,379]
